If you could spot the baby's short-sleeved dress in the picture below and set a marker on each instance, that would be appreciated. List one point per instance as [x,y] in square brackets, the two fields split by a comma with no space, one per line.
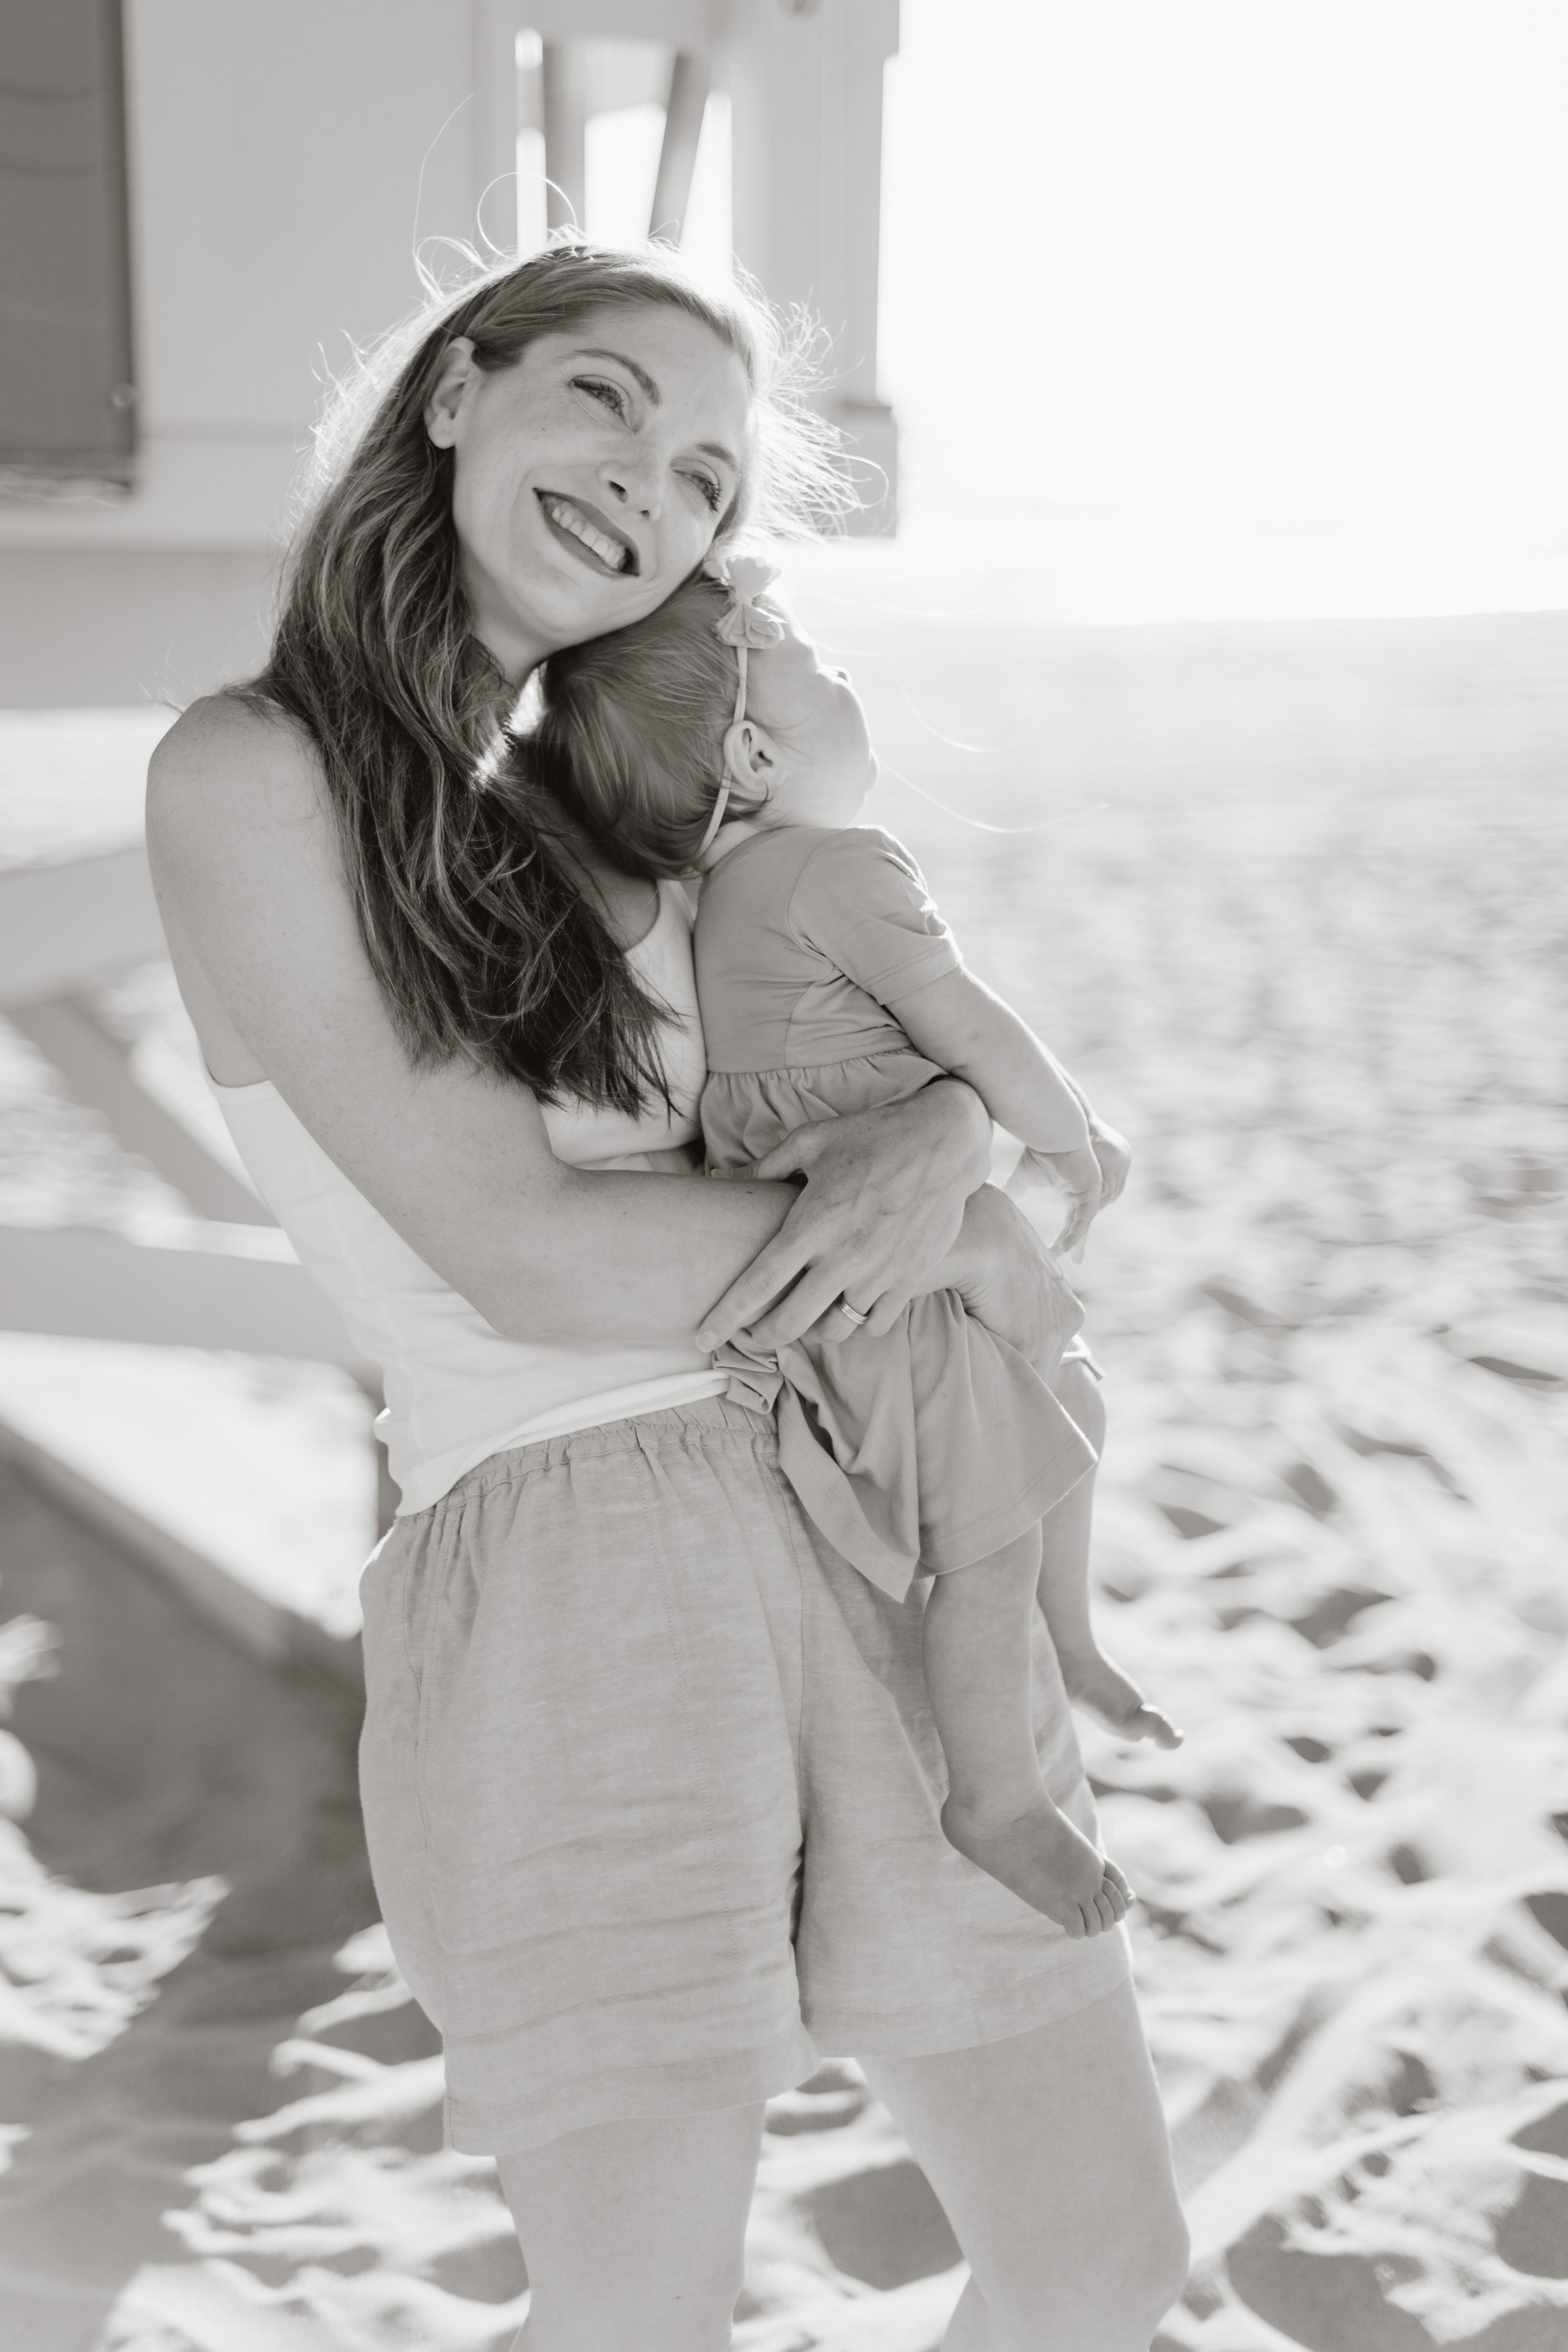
[933,1445]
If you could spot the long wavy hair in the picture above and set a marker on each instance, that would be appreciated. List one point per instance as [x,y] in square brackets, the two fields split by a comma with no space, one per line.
[485,938]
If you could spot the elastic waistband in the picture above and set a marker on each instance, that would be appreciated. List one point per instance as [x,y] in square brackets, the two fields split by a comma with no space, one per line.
[674,1424]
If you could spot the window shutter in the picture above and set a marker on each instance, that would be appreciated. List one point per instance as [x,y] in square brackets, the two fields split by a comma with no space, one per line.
[66,392]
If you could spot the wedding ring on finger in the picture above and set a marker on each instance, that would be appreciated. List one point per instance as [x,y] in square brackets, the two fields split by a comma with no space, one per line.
[856,1315]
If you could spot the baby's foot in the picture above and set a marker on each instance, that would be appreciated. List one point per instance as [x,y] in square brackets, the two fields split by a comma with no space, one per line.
[1102,1689]
[1042,1857]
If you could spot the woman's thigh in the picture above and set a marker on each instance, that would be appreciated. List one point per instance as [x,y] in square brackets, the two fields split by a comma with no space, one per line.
[1049,2153]
[634,2233]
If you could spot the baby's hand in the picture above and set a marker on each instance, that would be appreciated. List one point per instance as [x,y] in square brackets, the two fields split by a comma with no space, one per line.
[1111,1149]
[1075,1173]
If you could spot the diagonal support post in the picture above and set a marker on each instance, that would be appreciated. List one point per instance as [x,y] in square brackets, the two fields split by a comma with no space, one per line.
[689,83]
[565,79]
[97,1068]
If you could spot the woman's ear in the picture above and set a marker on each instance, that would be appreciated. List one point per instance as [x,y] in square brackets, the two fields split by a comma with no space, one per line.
[753,760]
[458,373]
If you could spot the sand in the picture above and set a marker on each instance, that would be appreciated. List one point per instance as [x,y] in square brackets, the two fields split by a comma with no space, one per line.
[1310,958]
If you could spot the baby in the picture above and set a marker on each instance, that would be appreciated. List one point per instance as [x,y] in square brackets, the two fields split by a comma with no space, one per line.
[708,739]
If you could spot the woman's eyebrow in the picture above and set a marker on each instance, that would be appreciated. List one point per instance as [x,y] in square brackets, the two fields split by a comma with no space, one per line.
[644,381]
[716,449]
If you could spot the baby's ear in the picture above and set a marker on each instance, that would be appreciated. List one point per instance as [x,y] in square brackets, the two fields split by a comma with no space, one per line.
[751,755]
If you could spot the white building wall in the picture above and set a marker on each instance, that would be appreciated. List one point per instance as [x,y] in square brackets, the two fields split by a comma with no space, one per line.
[286,156]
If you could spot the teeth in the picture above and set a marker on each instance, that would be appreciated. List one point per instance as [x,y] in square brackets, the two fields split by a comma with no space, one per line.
[608,550]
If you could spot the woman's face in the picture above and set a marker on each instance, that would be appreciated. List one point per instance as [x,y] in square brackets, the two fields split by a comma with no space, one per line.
[590,478]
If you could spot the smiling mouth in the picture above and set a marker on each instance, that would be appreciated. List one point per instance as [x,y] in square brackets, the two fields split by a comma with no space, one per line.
[587,532]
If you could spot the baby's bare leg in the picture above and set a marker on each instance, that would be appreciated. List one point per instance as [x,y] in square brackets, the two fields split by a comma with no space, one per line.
[976,1652]
[1094,1682]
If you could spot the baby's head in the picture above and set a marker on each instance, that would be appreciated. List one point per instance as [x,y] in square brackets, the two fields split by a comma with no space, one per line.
[640,734]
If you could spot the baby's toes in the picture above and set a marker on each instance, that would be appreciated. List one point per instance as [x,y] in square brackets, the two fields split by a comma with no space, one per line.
[1116,1880]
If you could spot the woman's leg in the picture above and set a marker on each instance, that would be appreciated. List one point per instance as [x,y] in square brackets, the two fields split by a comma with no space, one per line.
[634,2233]
[1093,1680]
[975,1649]
[1048,2152]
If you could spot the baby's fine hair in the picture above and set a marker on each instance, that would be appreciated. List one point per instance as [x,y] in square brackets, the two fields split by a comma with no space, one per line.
[630,736]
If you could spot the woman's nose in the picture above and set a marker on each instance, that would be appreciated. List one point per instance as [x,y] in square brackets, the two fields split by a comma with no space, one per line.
[635,485]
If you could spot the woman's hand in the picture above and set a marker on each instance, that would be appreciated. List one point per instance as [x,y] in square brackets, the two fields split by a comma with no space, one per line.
[877,1222]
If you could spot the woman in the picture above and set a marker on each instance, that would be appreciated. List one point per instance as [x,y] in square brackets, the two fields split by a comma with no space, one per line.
[650,1785]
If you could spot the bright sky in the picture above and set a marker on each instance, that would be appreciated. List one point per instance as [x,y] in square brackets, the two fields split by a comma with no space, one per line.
[1266,301]
[1280,283]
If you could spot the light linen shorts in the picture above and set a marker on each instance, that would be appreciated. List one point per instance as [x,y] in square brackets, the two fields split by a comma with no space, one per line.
[651,1788]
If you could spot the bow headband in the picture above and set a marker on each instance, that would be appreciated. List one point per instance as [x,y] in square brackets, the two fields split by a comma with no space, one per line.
[743,624]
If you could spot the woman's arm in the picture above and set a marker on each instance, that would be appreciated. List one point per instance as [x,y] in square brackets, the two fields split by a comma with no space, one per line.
[268,951]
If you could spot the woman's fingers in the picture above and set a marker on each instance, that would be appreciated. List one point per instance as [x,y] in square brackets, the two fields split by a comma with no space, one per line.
[771,1271]
[813,1299]
[795,1155]
[836,1326]
[885,1313]
[808,1302]
[881,1212]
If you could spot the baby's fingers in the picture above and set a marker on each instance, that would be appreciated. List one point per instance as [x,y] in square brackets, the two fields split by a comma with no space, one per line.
[1081,1208]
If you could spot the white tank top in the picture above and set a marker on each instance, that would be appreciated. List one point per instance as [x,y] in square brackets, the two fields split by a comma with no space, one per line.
[456,1390]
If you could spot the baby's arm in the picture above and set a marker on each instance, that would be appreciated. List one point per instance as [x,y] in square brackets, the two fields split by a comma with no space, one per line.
[956,1022]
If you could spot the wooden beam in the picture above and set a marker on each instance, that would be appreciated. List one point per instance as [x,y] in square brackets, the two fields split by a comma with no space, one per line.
[806,89]
[565,135]
[267,1627]
[68,927]
[687,24]
[495,27]
[97,1068]
[688,80]
[85,1284]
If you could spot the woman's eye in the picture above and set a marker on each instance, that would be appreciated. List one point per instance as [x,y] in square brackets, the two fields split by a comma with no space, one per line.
[610,394]
[709,488]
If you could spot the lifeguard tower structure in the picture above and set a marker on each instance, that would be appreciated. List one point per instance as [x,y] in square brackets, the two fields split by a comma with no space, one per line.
[201,203]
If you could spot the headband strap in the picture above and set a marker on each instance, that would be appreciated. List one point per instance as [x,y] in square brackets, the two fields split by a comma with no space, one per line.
[745,625]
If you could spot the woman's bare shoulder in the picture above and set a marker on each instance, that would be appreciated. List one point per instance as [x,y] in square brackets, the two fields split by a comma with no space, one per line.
[230,764]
